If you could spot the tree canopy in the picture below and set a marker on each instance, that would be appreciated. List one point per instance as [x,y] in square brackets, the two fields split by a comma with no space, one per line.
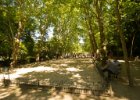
[49,28]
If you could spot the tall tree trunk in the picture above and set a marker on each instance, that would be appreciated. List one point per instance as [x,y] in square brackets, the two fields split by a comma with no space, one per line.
[40,45]
[90,33]
[132,44]
[16,45]
[125,53]
[92,38]
[99,14]
[98,8]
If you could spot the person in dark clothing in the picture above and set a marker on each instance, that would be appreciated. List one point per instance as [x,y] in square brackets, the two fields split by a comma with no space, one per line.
[112,68]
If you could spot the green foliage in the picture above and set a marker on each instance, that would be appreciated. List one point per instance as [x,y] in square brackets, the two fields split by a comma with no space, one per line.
[7,28]
[67,17]
[29,44]
[131,20]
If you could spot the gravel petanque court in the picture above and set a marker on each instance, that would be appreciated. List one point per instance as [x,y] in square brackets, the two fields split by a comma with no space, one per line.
[65,79]
[75,77]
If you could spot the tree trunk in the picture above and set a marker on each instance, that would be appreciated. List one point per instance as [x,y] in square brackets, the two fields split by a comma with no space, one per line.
[92,38]
[16,45]
[132,44]
[125,53]
[99,14]
[40,45]
[98,8]
[91,33]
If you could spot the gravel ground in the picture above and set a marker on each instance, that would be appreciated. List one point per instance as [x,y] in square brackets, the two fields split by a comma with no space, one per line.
[64,72]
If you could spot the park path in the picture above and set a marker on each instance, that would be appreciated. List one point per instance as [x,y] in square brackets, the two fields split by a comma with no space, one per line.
[71,71]
[80,73]
[74,72]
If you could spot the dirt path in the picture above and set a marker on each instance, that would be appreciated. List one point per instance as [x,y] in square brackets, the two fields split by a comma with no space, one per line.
[74,72]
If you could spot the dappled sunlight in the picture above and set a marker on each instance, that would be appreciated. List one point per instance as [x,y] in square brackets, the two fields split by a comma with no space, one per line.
[60,61]
[24,92]
[3,95]
[42,68]
[121,91]
[63,65]
[51,77]
[77,76]
[22,71]
[7,92]
[72,69]
[121,61]
[61,96]
[71,60]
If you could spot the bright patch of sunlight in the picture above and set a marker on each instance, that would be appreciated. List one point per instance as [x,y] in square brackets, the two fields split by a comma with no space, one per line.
[72,69]
[18,92]
[3,95]
[81,81]
[64,65]
[50,32]
[42,68]
[121,60]
[62,96]
[21,71]
[67,97]
[76,76]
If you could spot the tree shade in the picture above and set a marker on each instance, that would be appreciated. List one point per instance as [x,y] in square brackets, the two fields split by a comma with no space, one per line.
[92,20]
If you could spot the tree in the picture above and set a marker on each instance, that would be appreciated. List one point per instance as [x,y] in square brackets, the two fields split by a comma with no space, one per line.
[7,28]
[99,15]
[21,19]
[118,16]
[88,20]
[130,23]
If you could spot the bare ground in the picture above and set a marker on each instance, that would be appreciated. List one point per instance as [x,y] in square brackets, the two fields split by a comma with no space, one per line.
[77,72]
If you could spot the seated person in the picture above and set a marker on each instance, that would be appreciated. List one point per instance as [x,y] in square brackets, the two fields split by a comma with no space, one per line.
[112,68]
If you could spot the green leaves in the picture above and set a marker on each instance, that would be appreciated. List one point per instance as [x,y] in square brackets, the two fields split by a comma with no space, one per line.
[69,20]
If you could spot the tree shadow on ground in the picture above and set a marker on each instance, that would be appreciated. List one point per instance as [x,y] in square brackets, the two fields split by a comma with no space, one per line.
[122,90]
[64,72]
[22,93]
[118,88]
[70,74]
